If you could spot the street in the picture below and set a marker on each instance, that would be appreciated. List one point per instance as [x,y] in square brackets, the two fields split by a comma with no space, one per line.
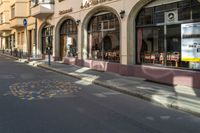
[34,100]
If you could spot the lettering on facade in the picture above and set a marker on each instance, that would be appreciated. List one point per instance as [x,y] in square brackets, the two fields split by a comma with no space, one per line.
[89,3]
[60,0]
[191,36]
[65,11]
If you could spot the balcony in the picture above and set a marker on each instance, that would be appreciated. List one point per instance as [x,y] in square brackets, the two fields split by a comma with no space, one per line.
[4,27]
[16,22]
[42,8]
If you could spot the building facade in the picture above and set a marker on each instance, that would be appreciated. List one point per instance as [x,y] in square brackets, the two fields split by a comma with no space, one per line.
[158,40]
[4,24]
[15,38]
[143,38]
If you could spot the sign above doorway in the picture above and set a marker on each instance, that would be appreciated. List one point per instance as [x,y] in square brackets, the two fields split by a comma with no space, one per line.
[65,11]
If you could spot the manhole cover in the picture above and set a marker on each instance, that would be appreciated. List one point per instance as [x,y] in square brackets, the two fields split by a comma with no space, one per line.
[43,89]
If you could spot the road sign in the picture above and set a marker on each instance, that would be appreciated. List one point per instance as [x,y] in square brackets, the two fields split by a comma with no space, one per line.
[25,22]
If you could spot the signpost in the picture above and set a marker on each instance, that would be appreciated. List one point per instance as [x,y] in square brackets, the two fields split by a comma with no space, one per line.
[25,23]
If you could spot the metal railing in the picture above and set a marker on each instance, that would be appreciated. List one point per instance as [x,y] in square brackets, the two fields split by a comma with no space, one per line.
[15,53]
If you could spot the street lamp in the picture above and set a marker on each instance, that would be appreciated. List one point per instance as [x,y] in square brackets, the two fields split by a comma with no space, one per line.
[78,21]
[122,13]
[49,47]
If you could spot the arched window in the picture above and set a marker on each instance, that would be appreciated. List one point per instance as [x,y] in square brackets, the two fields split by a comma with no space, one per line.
[68,38]
[47,38]
[103,37]
[160,33]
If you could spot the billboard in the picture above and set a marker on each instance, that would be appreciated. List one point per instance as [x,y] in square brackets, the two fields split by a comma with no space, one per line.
[190,42]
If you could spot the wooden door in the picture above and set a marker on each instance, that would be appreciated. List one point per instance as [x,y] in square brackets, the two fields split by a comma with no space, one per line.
[62,46]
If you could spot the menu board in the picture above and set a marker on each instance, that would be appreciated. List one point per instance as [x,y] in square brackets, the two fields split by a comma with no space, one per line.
[190,47]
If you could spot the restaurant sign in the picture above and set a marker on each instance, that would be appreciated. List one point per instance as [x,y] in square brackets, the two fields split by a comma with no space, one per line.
[89,3]
[65,11]
[190,34]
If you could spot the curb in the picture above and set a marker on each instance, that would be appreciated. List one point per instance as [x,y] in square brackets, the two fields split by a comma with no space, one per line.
[16,58]
[10,56]
[160,100]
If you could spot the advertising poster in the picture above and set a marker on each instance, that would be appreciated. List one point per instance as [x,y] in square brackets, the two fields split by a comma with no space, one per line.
[190,42]
[69,41]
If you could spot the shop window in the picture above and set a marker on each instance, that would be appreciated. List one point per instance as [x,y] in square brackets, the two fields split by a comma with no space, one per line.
[173,45]
[112,24]
[160,8]
[151,49]
[145,17]
[106,24]
[185,3]
[47,38]
[187,10]
[159,17]
[184,13]
[68,39]
[140,18]
[196,12]
[103,37]
[171,6]
[161,43]
[148,16]
[150,45]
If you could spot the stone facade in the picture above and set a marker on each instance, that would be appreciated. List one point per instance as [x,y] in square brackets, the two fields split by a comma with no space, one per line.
[14,36]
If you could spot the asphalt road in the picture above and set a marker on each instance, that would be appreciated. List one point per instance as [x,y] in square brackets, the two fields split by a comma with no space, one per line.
[33,100]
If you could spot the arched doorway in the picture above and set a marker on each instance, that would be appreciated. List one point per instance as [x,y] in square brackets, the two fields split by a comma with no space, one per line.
[68,39]
[104,37]
[47,38]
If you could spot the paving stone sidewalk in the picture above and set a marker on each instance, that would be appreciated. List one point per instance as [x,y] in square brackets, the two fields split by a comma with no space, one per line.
[180,97]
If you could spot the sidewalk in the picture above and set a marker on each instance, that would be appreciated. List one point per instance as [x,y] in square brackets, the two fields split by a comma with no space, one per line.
[180,97]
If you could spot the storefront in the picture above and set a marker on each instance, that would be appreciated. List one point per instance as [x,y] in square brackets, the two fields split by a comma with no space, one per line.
[142,38]
[68,39]
[160,34]
[104,38]
[47,37]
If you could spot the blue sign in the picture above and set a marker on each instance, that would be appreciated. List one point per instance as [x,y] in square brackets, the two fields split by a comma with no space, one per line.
[25,22]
